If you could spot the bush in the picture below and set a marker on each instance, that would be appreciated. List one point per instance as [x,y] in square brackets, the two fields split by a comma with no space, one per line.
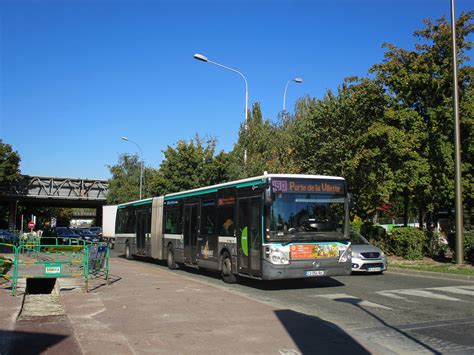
[373,232]
[434,245]
[376,235]
[408,242]
[468,244]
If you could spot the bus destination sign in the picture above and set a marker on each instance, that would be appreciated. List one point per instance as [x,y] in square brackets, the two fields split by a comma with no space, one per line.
[308,186]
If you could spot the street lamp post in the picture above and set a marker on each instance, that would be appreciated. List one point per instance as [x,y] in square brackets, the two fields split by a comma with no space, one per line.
[203,58]
[296,80]
[141,158]
[459,249]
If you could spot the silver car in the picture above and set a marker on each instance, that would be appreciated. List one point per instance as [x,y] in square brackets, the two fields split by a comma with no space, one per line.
[365,256]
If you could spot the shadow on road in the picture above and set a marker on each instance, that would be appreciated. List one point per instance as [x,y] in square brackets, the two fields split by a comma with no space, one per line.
[97,283]
[25,343]
[313,335]
[290,284]
[265,285]
[356,302]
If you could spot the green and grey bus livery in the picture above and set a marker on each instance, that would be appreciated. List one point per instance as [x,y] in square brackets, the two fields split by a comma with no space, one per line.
[275,226]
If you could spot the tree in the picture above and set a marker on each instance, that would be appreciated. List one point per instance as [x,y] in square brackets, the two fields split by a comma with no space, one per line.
[191,164]
[9,164]
[421,81]
[124,184]
[267,145]
[9,173]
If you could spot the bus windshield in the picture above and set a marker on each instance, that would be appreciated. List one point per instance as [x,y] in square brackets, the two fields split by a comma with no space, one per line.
[306,217]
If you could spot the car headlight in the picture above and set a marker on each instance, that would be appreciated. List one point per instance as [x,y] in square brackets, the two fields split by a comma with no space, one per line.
[382,254]
[277,257]
[355,254]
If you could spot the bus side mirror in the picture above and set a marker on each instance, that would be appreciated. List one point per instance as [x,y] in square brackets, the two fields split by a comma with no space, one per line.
[350,199]
[269,196]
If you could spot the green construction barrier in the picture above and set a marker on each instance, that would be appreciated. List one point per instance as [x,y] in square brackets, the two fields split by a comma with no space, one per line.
[60,258]
[7,264]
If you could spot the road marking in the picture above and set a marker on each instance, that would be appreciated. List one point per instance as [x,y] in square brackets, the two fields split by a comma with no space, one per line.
[391,295]
[417,293]
[342,297]
[453,289]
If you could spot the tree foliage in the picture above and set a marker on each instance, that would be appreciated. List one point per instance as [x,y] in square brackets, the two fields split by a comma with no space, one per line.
[268,146]
[189,165]
[124,185]
[9,164]
[420,80]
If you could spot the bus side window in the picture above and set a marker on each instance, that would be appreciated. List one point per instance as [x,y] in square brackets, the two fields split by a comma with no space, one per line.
[172,220]
[208,209]
[225,220]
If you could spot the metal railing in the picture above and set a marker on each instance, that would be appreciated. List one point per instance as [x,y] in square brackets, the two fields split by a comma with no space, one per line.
[36,257]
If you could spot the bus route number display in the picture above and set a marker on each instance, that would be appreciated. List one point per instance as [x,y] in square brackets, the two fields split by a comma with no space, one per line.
[308,186]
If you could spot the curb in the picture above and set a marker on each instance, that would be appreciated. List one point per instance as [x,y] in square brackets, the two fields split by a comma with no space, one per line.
[439,275]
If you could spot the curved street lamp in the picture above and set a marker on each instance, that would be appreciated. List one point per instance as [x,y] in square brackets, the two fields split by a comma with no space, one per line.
[141,157]
[203,58]
[296,80]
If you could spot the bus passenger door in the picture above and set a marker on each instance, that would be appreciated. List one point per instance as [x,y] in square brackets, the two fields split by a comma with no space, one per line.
[191,231]
[142,222]
[249,235]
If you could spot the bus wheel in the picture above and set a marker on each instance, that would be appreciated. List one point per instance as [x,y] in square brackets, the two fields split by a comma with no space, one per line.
[227,274]
[128,254]
[170,259]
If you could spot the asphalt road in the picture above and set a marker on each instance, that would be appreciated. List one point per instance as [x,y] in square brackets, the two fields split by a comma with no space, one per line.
[394,313]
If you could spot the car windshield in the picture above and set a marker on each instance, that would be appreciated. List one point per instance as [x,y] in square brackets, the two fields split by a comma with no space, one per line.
[306,217]
[357,239]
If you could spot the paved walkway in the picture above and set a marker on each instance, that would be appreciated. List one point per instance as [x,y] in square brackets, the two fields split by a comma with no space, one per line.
[151,310]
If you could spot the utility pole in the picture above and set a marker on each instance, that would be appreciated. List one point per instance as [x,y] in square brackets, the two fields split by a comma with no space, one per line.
[459,249]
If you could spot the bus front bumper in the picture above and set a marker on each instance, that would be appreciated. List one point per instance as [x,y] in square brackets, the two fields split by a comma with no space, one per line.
[305,269]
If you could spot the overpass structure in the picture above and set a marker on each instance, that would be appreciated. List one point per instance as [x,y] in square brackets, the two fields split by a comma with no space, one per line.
[54,192]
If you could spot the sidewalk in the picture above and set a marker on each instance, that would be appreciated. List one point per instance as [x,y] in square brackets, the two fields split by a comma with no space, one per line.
[151,310]
[440,275]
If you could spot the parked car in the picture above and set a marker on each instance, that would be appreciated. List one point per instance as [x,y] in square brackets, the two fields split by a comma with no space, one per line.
[365,256]
[8,237]
[60,235]
[86,234]
[96,230]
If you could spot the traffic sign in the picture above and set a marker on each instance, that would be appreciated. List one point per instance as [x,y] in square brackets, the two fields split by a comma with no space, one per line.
[31,224]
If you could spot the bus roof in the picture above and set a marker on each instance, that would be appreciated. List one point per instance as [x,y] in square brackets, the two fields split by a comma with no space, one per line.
[136,203]
[246,182]
[237,183]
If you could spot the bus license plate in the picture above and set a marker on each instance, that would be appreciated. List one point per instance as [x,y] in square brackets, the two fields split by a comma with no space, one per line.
[314,273]
[374,269]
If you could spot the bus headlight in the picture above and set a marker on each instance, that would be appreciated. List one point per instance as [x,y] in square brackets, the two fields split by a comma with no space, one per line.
[277,257]
[346,255]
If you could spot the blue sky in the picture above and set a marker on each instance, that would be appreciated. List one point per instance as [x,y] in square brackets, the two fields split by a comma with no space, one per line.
[78,75]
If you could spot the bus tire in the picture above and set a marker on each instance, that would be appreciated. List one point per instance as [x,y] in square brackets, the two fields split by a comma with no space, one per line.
[128,254]
[226,273]
[170,259]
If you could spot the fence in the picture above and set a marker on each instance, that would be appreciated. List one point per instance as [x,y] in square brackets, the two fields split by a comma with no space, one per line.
[7,264]
[56,258]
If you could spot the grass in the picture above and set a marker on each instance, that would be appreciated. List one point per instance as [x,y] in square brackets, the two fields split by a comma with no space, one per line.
[427,264]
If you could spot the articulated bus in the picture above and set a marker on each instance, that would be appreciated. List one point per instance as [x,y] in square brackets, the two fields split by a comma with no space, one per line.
[273,226]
